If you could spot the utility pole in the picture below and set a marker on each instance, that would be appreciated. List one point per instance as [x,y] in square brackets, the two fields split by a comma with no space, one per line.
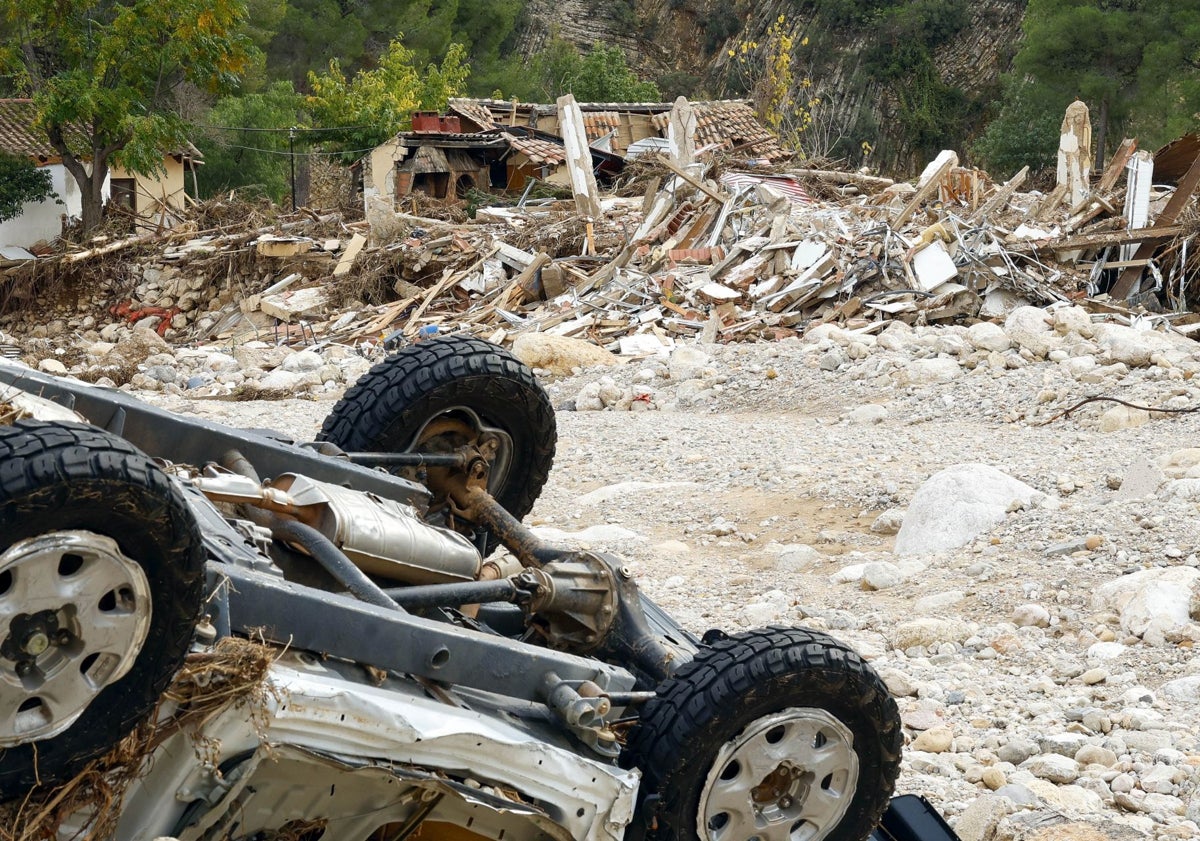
[292,162]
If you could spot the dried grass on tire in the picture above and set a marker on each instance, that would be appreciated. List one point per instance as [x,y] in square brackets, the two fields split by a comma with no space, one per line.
[233,672]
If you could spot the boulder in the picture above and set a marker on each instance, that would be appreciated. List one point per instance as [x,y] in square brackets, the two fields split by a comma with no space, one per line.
[1135,347]
[302,362]
[1029,328]
[928,632]
[981,820]
[1075,320]
[930,371]
[1123,417]
[135,348]
[956,505]
[52,366]
[687,363]
[988,336]
[1154,602]
[560,355]
[1181,464]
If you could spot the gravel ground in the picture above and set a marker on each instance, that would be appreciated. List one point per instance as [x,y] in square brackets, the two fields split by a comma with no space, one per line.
[1033,710]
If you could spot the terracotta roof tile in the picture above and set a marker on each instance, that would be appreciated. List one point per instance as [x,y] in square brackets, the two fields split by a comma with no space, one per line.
[537,150]
[599,123]
[475,111]
[731,123]
[17,133]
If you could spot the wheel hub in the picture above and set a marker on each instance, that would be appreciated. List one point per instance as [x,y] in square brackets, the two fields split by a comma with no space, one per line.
[74,614]
[786,777]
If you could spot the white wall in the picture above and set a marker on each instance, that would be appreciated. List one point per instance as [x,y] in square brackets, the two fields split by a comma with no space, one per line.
[44,220]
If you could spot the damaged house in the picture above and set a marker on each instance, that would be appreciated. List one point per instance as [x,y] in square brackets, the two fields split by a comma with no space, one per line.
[491,144]
[148,196]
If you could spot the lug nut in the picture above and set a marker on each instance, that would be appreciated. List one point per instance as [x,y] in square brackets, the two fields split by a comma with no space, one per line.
[63,637]
[24,668]
[36,643]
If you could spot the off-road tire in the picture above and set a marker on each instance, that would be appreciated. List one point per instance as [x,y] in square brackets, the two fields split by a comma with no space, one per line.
[391,402]
[737,681]
[63,476]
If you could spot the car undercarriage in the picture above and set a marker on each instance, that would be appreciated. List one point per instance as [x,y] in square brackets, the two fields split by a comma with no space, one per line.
[411,680]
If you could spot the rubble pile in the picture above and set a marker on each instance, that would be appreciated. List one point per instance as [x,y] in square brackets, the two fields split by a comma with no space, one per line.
[709,252]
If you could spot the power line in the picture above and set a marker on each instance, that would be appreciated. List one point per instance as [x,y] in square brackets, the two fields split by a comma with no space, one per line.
[280,130]
[286,153]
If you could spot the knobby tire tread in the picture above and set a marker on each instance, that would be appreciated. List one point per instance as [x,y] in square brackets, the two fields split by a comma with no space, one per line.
[382,398]
[44,469]
[663,742]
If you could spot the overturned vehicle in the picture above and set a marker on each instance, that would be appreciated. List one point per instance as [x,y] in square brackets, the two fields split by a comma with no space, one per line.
[213,633]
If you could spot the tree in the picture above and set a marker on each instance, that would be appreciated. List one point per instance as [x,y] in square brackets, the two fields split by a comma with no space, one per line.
[1136,63]
[376,104]
[246,141]
[1026,131]
[21,182]
[603,75]
[766,71]
[1168,79]
[102,74]
[1086,49]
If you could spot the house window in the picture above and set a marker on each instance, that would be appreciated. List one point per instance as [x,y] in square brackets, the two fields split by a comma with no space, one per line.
[123,193]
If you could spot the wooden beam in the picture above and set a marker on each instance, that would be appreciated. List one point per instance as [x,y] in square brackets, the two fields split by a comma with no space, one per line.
[1112,174]
[1001,196]
[1128,281]
[1157,234]
[923,193]
[695,182]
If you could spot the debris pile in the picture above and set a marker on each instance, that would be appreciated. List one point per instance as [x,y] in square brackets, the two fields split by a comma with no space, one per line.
[710,251]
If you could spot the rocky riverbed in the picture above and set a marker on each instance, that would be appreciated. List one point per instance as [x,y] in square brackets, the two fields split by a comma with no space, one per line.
[1024,581]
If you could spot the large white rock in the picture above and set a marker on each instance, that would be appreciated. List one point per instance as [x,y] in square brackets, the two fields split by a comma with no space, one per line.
[687,363]
[1135,347]
[1123,417]
[1152,602]
[928,632]
[988,336]
[1181,464]
[303,361]
[925,371]
[1075,320]
[958,504]
[1185,690]
[1029,328]
[560,354]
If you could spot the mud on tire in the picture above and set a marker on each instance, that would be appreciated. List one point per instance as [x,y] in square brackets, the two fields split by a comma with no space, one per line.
[64,482]
[779,733]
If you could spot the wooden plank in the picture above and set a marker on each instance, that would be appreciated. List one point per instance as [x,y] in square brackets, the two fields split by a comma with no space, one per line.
[1051,203]
[651,191]
[1001,197]
[1156,233]
[442,285]
[923,193]
[1116,166]
[696,182]
[346,260]
[1126,284]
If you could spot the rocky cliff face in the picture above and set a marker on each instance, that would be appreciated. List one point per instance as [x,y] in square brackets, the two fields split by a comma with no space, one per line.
[680,42]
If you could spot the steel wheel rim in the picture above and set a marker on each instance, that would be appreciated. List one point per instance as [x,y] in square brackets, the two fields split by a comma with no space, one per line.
[74,614]
[790,776]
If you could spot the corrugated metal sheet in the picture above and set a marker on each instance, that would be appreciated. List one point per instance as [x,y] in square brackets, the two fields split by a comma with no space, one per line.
[785,184]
